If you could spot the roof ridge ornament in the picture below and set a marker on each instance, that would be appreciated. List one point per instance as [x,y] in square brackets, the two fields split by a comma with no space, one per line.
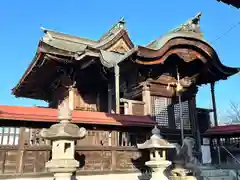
[48,37]
[121,24]
[191,25]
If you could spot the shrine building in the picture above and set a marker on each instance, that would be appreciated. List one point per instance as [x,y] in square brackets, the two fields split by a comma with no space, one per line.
[117,90]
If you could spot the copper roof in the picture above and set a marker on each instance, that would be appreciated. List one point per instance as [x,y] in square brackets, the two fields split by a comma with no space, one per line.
[38,114]
[72,48]
[185,41]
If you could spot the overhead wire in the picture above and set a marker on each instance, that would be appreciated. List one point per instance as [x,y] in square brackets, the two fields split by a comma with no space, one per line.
[226,32]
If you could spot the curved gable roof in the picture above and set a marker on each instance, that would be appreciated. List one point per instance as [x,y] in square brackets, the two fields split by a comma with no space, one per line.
[188,43]
[190,29]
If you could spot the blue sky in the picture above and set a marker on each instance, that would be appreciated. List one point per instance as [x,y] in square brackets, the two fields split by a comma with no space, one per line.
[146,21]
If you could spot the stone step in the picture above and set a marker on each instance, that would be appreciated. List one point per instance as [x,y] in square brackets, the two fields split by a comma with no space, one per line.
[219,178]
[215,173]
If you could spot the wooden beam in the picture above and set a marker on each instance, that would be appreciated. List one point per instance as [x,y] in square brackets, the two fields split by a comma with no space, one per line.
[132,101]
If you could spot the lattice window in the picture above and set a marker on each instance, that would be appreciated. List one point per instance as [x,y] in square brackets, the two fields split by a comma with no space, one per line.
[9,135]
[96,138]
[185,115]
[160,110]
[32,137]
[123,139]
[130,138]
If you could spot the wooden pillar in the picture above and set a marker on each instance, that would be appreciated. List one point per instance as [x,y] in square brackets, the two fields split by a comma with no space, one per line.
[98,102]
[128,107]
[146,97]
[117,92]
[195,125]
[114,143]
[181,117]
[20,155]
[212,85]
[214,104]
[125,108]
[170,110]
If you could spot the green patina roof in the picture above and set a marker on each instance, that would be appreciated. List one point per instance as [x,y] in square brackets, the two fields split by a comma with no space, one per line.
[189,29]
[109,59]
[74,43]
[79,45]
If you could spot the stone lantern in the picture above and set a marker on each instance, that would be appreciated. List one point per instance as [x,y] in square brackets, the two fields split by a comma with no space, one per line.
[157,147]
[63,136]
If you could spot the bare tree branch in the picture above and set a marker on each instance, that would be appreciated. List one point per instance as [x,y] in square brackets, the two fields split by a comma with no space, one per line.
[234,112]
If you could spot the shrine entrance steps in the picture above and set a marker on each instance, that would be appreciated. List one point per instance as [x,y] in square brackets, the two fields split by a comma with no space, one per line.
[212,173]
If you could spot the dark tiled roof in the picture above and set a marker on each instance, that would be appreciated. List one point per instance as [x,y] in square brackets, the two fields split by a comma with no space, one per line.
[223,130]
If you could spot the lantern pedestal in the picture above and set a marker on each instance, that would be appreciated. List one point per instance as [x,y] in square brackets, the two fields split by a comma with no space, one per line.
[158,168]
[63,136]
[157,147]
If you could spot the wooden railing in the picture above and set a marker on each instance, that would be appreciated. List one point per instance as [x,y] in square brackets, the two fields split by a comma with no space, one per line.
[23,151]
[105,148]
[133,107]
[32,159]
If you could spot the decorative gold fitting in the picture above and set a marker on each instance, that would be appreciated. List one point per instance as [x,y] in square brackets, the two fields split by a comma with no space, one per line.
[179,87]
[168,86]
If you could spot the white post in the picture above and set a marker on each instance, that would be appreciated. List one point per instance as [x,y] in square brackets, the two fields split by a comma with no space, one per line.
[146,97]
[117,93]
